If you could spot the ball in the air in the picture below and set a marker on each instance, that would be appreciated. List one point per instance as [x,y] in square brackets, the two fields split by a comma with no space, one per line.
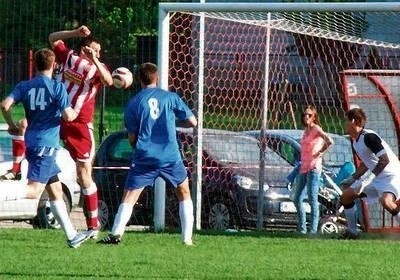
[122,77]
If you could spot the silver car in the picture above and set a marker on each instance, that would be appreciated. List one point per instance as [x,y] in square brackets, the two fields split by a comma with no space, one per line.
[286,142]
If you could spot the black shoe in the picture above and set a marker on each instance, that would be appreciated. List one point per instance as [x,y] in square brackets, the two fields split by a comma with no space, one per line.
[110,239]
[349,235]
[10,175]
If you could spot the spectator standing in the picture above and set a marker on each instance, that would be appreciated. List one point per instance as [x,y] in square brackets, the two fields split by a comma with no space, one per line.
[314,143]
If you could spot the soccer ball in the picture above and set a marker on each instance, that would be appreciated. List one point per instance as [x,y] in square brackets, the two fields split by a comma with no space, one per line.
[122,77]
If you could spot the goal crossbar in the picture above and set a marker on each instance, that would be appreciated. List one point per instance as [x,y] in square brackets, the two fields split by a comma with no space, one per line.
[280,7]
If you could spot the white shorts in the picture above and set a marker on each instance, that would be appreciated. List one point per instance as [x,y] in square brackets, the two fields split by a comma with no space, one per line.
[381,185]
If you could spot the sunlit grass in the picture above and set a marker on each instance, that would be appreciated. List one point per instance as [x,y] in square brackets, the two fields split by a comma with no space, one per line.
[34,254]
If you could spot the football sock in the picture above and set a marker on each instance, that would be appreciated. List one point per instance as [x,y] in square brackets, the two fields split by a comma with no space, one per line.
[91,201]
[60,212]
[351,216]
[122,218]
[186,218]
[18,151]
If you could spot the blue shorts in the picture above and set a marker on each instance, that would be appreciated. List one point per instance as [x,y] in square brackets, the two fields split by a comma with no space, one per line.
[140,176]
[41,164]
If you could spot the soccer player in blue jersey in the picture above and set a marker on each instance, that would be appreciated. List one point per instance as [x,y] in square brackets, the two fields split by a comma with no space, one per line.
[377,177]
[150,119]
[45,101]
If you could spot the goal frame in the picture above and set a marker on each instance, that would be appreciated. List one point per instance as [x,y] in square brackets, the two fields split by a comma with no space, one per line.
[166,9]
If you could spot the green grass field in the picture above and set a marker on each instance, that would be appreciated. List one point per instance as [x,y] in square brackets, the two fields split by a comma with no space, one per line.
[43,254]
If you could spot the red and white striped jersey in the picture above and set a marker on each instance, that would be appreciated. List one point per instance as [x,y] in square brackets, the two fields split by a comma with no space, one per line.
[81,80]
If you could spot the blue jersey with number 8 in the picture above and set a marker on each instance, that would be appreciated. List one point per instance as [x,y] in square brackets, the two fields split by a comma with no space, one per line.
[151,116]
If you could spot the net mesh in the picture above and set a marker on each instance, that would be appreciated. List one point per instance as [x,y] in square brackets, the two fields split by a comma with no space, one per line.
[289,61]
[285,60]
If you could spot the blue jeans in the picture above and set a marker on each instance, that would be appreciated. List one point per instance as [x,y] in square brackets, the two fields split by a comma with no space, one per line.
[311,180]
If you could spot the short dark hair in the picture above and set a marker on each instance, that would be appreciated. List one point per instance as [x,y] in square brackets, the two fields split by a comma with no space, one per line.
[358,115]
[44,59]
[148,73]
[86,41]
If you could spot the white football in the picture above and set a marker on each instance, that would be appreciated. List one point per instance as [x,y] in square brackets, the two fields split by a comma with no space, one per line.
[122,77]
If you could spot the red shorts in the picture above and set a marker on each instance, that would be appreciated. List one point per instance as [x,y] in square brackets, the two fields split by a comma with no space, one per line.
[78,140]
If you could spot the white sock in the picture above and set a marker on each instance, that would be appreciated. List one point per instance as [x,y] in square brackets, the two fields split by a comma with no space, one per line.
[351,216]
[121,219]
[60,212]
[186,217]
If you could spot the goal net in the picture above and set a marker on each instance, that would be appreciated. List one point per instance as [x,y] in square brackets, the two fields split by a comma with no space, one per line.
[255,67]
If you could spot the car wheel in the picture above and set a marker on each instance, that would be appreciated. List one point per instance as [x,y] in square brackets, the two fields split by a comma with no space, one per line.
[329,226]
[45,218]
[219,217]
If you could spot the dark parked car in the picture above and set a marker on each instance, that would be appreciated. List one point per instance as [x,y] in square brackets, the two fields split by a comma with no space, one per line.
[230,173]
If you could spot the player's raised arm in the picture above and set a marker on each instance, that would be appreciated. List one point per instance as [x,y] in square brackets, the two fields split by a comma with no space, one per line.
[81,31]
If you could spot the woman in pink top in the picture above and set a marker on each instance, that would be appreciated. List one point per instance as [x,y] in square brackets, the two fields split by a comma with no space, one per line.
[313,144]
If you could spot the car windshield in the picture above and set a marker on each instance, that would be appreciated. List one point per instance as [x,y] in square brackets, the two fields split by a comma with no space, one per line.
[339,153]
[5,146]
[239,149]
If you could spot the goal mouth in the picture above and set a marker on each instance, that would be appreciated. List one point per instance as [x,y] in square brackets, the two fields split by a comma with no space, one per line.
[256,66]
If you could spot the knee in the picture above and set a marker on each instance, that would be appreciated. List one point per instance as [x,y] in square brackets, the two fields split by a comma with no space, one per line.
[387,202]
[348,197]
[183,192]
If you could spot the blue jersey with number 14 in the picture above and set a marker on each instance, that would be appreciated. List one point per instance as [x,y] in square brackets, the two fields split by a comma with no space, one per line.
[43,99]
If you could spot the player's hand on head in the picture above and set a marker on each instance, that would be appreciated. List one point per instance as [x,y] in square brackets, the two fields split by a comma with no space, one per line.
[90,52]
[83,31]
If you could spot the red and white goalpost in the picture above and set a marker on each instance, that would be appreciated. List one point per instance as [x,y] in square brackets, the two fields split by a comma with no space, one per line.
[246,66]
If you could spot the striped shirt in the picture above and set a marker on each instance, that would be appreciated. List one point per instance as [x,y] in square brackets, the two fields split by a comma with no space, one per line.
[81,80]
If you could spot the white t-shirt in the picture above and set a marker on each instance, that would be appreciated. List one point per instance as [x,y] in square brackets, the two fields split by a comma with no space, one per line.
[369,146]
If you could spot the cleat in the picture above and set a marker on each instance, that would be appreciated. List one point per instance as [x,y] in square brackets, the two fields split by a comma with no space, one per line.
[349,235]
[77,240]
[188,243]
[92,233]
[110,239]
[10,175]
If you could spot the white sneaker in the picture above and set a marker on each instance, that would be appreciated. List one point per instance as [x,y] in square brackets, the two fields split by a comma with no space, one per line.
[92,233]
[77,240]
